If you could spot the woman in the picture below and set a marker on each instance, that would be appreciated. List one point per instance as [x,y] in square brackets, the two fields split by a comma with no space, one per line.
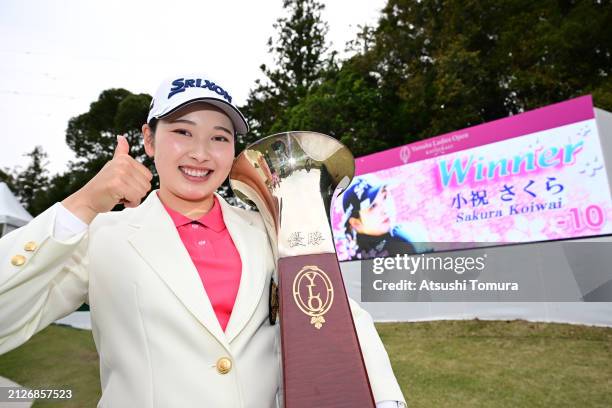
[370,228]
[177,285]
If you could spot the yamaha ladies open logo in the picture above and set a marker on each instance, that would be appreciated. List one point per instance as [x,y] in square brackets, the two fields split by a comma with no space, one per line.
[313,293]
[405,153]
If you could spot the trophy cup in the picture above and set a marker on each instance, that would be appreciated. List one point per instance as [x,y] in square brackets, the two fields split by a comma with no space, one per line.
[291,178]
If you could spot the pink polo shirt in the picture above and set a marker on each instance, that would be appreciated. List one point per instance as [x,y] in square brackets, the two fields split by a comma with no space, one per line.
[214,255]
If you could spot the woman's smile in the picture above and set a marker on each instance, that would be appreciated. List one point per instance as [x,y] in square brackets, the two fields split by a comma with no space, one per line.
[197,175]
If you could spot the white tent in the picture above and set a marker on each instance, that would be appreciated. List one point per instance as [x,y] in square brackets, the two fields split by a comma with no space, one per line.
[12,213]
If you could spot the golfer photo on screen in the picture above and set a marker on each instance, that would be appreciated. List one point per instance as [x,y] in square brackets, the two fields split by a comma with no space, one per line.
[371,229]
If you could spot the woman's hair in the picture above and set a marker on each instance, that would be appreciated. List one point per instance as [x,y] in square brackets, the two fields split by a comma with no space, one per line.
[351,213]
[153,125]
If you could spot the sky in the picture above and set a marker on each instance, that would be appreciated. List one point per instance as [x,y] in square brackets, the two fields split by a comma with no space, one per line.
[57,56]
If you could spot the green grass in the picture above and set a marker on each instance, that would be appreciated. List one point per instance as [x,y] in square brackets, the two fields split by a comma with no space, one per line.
[60,357]
[501,364]
[438,364]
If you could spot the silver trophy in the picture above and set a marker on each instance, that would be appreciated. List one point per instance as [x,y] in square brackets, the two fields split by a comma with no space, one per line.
[292,178]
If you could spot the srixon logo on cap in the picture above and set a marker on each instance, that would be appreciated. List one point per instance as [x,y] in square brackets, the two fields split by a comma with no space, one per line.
[180,84]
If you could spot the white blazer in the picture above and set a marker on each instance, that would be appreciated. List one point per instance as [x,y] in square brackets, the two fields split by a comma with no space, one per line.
[157,335]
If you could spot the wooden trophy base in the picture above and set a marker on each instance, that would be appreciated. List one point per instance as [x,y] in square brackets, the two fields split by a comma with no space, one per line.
[322,362]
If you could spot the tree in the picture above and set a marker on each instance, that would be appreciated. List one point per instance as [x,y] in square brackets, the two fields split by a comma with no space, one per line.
[300,57]
[431,67]
[347,106]
[93,135]
[32,182]
[453,64]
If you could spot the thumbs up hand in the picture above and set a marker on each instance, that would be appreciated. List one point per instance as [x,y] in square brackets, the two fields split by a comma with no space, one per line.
[121,180]
[122,146]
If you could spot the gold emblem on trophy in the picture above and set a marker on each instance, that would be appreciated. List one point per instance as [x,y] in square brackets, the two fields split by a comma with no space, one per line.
[313,293]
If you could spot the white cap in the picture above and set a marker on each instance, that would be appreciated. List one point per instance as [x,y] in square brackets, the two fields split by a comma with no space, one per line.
[176,92]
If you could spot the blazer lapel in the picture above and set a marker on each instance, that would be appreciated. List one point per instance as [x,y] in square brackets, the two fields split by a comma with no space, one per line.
[251,245]
[158,242]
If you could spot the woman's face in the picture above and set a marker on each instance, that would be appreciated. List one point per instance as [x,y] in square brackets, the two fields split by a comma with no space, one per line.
[376,219]
[193,151]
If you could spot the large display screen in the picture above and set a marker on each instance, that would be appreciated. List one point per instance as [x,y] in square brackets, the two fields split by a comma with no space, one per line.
[536,176]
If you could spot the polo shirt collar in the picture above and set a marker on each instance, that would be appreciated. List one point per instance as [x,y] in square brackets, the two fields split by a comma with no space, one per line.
[213,219]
